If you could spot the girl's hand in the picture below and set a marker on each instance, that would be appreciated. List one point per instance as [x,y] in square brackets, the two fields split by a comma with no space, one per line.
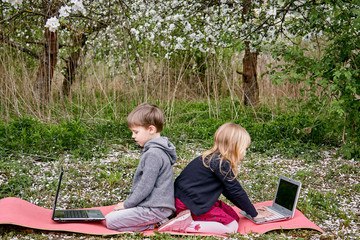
[262,212]
[119,206]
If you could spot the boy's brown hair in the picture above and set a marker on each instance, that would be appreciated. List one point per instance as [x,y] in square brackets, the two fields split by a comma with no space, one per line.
[145,115]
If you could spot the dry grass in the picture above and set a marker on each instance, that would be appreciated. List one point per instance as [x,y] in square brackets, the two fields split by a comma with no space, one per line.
[164,82]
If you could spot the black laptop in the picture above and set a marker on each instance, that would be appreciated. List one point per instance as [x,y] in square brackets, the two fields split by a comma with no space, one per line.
[74,215]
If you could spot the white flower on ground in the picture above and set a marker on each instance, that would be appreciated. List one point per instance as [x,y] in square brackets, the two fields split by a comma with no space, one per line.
[65,11]
[52,24]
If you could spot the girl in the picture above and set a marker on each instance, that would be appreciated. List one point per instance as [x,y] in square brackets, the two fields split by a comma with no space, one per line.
[200,184]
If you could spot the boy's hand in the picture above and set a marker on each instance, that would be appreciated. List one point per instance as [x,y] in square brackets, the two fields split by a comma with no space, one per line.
[262,212]
[119,206]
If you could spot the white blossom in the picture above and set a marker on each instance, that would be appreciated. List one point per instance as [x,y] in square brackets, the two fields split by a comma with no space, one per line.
[52,24]
[188,27]
[14,2]
[271,12]
[179,43]
[151,36]
[135,32]
[78,6]
[64,11]
[202,49]
[164,45]
[142,7]
[152,12]
[175,3]
[172,27]
[178,17]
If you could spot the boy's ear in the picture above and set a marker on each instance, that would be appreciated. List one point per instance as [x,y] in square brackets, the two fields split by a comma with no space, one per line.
[152,129]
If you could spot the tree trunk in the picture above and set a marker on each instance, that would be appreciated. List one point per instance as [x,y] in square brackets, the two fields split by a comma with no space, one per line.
[47,66]
[203,88]
[249,76]
[48,58]
[72,63]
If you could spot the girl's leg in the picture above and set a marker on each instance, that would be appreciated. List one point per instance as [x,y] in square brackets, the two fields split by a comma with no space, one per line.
[136,219]
[229,210]
[212,227]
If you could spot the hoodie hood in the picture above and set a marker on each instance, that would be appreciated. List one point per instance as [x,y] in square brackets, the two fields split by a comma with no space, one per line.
[164,144]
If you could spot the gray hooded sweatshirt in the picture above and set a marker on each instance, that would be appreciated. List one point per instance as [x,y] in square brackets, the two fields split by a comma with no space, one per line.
[153,183]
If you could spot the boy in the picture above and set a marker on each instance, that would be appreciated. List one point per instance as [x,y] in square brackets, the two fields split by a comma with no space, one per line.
[151,198]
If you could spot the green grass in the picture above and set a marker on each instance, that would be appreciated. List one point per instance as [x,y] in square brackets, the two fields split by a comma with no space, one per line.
[111,176]
[286,133]
[100,158]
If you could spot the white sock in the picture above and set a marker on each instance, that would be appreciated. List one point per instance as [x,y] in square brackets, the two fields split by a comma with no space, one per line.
[212,227]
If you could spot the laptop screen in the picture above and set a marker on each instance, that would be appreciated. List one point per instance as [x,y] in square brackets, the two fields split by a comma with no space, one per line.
[286,194]
[57,192]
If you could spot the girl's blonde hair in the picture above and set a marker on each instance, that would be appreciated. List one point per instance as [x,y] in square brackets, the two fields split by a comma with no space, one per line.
[231,141]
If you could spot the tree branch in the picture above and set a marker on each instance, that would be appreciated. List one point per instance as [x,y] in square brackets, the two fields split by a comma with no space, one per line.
[13,16]
[25,50]
[19,13]
[241,73]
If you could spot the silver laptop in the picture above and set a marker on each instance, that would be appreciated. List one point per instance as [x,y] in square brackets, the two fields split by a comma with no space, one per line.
[284,205]
[74,215]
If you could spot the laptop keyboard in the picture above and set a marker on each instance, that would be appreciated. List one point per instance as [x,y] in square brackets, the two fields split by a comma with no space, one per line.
[275,216]
[75,214]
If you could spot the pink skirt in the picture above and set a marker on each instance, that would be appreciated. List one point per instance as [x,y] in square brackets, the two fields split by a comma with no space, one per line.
[219,212]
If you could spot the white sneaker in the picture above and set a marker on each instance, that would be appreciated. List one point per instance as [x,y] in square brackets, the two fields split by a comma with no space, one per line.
[177,224]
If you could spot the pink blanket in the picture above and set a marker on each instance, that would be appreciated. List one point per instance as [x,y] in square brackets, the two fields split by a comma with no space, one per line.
[299,221]
[19,212]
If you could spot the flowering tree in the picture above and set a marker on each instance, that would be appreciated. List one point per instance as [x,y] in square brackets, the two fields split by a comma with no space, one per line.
[172,27]
[42,28]
[13,26]
[206,27]
[202,27]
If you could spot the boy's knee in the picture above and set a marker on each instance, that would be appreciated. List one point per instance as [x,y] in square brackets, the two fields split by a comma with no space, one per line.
[110,221]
